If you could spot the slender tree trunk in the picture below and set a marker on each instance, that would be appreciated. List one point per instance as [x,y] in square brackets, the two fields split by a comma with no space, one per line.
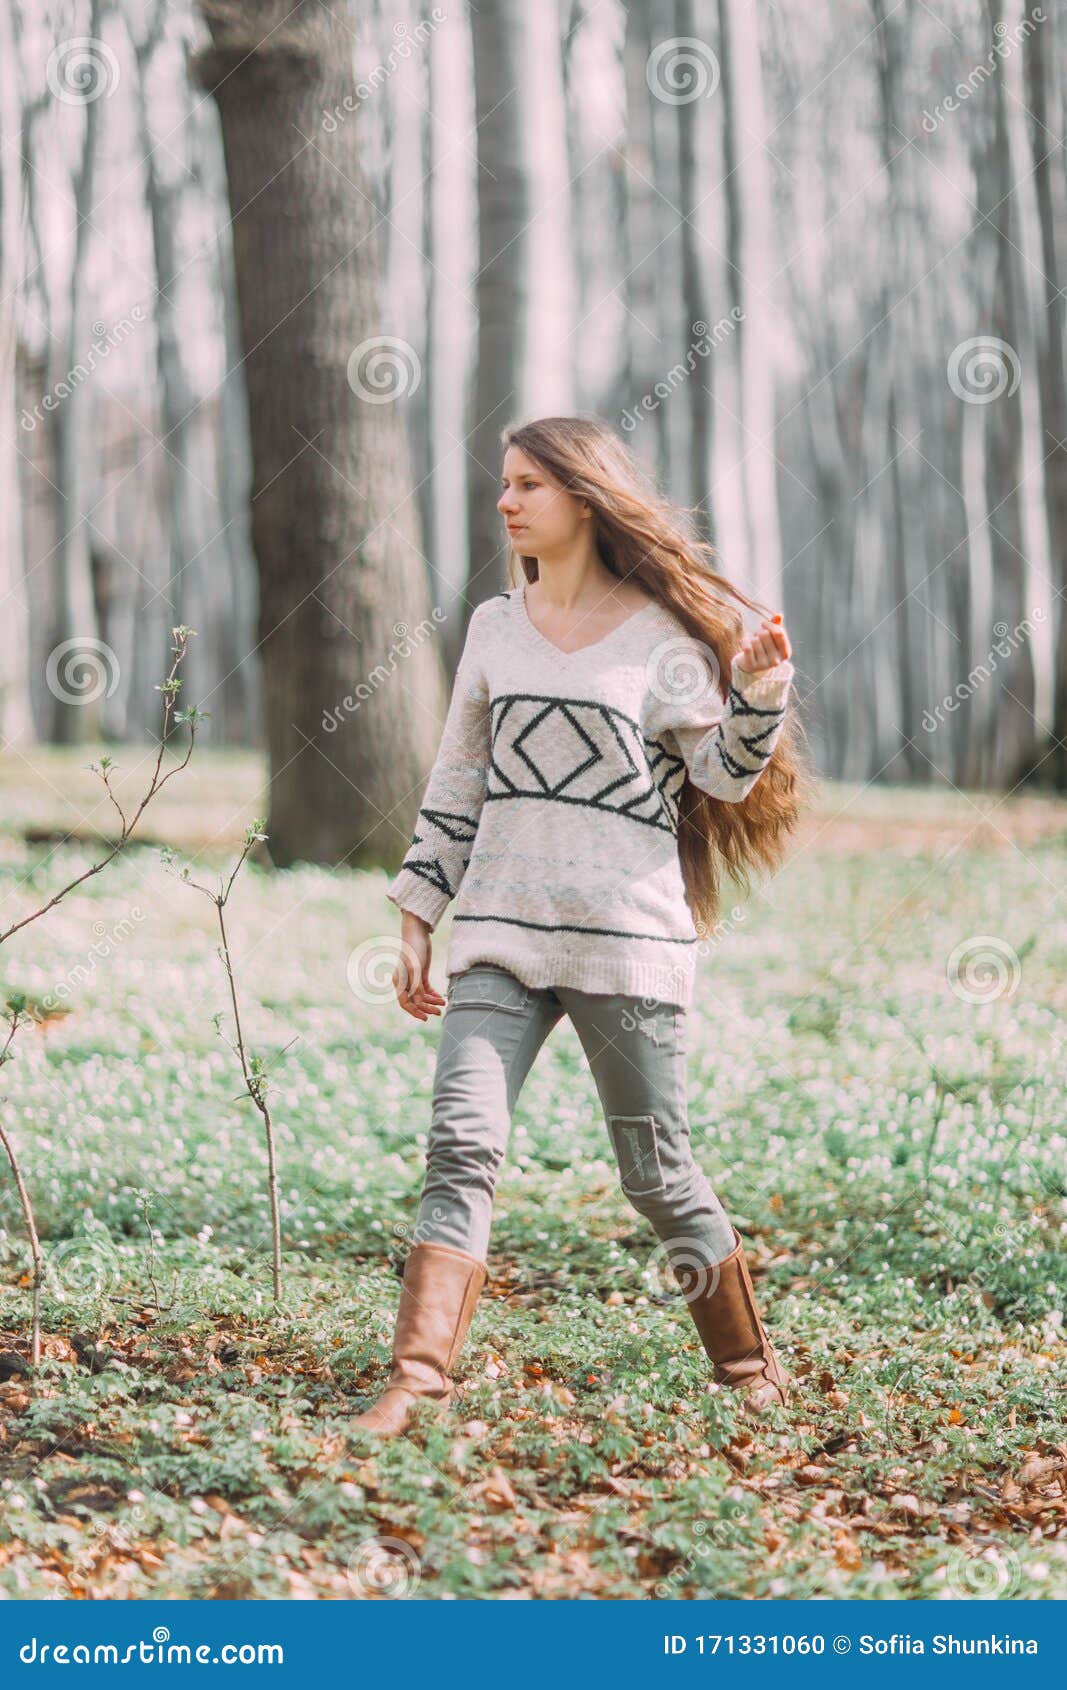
[500,286]
[644,258]
[186,521]
[1039,61]
[584,179]
[241,683]
[353,687]
[16,718]
[695,309]
[76,707]
[426,423]
[1011,740]
[894,489]
[750,251]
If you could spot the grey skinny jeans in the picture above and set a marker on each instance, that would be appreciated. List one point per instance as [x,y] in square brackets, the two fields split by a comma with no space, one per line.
[492,1029]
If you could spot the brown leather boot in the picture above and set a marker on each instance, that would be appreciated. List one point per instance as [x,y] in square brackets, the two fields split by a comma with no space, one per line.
[441,1285]
[723,1306]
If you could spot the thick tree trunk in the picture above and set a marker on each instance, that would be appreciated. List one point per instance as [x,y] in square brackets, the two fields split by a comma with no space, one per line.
[345,636]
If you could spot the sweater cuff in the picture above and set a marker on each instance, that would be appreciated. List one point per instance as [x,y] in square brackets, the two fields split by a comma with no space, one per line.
[767,689]
[411,891]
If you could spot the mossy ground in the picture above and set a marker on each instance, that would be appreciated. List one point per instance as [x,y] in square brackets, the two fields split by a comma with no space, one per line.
[887,1132]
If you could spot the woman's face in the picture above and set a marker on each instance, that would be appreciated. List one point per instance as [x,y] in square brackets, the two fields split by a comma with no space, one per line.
[541,515]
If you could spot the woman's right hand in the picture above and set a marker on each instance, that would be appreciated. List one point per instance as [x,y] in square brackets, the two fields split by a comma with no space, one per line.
[411,976]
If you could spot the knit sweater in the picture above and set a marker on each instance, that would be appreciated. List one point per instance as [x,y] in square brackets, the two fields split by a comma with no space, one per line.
[551,810]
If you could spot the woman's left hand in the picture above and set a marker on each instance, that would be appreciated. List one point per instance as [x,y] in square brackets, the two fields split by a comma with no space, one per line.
[763,649]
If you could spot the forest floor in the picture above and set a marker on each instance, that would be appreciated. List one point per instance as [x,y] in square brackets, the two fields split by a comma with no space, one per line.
[877,1091]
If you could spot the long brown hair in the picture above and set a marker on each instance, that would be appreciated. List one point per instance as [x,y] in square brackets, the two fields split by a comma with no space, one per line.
[642,536]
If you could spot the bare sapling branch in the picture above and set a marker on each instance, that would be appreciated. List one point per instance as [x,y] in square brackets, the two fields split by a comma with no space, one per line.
[253,1068]
[16,1007]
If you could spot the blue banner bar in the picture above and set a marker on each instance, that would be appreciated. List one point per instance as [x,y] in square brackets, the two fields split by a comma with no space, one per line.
[517,1643]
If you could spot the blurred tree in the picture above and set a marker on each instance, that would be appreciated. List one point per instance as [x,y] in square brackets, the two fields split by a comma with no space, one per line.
[646,229]
[16,722]
[1044,101]
[504,207]
[1002,752]
[344,636]
[74,631]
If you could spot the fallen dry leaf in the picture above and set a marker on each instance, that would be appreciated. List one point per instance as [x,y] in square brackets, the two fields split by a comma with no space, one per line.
[496,1490]
[811,1475]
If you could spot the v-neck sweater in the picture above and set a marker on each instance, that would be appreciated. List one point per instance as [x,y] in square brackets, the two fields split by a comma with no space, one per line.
[551,812]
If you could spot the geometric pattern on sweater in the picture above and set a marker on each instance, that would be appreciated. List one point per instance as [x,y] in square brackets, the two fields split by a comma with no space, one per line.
[751,742]
[564,891]
[576,751]
[460,829]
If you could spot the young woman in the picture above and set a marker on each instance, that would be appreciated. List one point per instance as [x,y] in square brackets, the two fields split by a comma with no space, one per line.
[613,742]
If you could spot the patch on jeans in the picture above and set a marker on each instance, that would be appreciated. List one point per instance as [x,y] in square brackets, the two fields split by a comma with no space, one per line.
[637,1153]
